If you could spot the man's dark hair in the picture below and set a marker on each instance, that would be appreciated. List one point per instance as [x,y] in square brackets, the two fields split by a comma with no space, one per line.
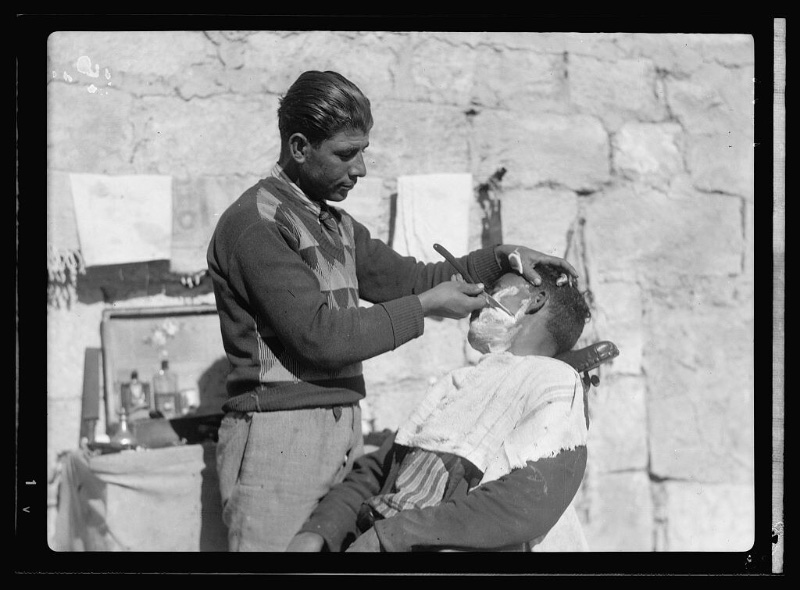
[568,310]
[320,104]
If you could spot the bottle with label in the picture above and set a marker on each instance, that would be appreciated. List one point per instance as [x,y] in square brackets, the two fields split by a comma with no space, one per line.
[136,397]
[165,389]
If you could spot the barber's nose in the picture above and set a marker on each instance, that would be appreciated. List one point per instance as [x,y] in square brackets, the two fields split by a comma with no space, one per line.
[359,168]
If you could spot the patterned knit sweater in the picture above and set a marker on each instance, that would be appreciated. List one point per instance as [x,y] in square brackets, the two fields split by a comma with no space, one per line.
[287,291]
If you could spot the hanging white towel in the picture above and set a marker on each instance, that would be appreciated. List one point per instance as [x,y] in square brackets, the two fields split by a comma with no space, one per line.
[433,208]
[123,219]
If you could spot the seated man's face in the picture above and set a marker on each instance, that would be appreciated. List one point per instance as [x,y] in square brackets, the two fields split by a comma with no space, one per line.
[493,330]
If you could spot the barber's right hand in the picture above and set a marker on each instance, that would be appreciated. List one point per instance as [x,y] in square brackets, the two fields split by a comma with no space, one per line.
[452,299]
[306,542]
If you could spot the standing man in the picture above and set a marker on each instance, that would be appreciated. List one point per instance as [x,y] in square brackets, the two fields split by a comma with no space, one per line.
[288,271]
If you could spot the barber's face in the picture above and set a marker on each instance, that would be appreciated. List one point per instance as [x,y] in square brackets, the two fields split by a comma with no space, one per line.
[493,330]
[331,169]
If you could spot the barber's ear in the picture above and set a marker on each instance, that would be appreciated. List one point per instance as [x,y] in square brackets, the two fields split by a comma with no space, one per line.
[539,298]
[298,147]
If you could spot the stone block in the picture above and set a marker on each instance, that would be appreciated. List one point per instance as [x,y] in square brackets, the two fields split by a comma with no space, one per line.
[707,517]
[554,43]
[89,132]
[699,361]
[442,70]
[542,149]
[213,78]
[618,425]
[681,54]
[617,316]
[518,80]
[601,46]
[729,50]
[417,138]
[440,349]
[616,510]
[156,54]
[283,55]
[636,231]
[539,218]
[714,100]
[236,136]
[648,152]
[615,90]
[723,162]
[676,54]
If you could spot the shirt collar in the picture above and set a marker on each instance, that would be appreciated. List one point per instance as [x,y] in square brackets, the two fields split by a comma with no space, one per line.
[313,206]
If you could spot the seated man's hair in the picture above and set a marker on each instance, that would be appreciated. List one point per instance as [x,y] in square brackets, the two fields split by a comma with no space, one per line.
[320,104]
[568,310]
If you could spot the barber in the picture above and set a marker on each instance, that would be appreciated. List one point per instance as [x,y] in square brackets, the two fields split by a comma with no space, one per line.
[288,271]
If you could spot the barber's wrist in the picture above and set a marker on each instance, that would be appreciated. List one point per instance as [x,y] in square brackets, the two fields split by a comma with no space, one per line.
[501,252]
[484,265]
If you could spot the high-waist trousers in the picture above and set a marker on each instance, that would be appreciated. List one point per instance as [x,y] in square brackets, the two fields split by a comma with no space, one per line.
[274,467]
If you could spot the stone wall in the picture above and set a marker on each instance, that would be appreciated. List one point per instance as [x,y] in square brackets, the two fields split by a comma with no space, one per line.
[629,154]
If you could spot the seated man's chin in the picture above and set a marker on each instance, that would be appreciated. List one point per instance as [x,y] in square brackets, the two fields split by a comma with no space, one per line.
[477,344]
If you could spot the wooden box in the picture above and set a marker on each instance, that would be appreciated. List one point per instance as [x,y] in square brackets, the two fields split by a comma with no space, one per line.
[138,339]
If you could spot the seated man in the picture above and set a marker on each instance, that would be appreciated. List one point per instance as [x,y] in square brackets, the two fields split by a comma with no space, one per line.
[494,454]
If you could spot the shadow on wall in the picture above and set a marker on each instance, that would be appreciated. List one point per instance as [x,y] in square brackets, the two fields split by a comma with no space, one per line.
[116,282]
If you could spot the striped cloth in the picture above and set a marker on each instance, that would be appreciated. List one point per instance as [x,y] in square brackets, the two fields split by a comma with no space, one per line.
[421,482]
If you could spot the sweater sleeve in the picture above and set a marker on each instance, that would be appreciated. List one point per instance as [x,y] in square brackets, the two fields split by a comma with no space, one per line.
[335,517]
[280,287]
[513,509]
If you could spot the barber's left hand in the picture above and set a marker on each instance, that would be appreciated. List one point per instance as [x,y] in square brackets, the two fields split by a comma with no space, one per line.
[366,543]
[529,259]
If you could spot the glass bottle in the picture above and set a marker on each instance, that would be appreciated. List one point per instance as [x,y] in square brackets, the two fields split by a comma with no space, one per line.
[123,438]
[165,390]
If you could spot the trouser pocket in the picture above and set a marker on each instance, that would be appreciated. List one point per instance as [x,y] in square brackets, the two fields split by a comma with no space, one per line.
[234,432]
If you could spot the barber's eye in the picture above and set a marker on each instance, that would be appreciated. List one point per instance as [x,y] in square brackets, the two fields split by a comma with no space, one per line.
[352,154]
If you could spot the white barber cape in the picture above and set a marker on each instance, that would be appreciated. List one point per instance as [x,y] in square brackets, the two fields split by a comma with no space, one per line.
[499,414]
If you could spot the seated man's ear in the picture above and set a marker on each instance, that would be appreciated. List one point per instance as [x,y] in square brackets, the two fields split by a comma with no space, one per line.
[539,298]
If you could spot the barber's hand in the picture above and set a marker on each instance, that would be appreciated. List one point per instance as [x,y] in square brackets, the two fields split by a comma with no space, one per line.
[366,543]
[306,542]
[529,259]
[452,299]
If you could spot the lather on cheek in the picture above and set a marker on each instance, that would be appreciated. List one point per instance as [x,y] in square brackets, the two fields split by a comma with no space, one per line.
[494,330]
